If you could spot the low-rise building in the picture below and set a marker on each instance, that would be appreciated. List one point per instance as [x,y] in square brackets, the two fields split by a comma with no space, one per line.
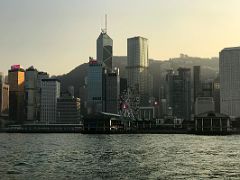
[68,109]
[212,123]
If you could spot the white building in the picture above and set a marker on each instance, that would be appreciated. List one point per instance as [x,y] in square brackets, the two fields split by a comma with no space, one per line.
[229,63]
[30,93]
[50,92]
[33,80]
[137,65]
[204,104]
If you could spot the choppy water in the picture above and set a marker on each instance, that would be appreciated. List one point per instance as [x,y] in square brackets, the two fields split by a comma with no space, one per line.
[77,156]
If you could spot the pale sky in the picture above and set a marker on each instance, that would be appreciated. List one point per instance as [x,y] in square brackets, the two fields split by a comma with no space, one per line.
[58,35]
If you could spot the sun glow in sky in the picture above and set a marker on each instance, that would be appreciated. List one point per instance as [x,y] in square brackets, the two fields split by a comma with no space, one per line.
[58,35]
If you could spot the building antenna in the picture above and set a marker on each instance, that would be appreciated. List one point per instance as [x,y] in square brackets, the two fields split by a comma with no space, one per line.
[105,23]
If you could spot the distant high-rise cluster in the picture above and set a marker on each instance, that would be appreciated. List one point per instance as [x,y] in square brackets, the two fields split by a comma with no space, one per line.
[32,97]
[103,82]
[171,94]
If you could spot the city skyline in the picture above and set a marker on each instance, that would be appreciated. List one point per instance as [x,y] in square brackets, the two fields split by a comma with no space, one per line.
[57,36]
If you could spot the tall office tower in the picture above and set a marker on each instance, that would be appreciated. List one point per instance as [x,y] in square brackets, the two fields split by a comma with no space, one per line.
[50,92]
[179,93]
[31,76]
[155,67]
[104,50]
[5,100]
[138,67]
[229,63]
[68,108]
[41,75]
[1,90]
[1,78]
[95,87]
[169,88]
[112,91]
[16,79]
[196,82]
[4,96]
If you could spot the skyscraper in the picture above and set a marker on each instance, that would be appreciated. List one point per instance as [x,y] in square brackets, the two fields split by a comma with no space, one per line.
[95,86]
[16,80]
[178,89]
[4,96]
[229,63]
[1,78]
[50,92]
[216,94]
[33,80]
[41,75]
[1,91]
[196,82]
[112,92]
[137,65]
[104,50]
[30,94]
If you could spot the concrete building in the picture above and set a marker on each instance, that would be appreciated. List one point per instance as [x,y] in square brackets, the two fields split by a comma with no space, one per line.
[196,82]
[83,95]
[2,78]
[216,94]
[207,88]
[41,75]
[163,108]
[104,50]
[112,92]
[33,80]
[138,67]
[50,92]
[204,104]
[4,99]
[95,87]
[178,90]
[31,76]
[16,80]
[229,63]
[68,109]
[4,96]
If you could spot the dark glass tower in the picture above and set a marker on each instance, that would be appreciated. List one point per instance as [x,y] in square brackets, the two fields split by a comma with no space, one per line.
[104,50]
[179,93]
[196,82]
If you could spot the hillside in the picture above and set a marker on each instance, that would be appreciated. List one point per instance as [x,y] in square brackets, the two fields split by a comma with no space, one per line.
[157,68]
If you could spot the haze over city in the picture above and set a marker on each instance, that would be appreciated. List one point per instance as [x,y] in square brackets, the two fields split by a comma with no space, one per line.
[58,35]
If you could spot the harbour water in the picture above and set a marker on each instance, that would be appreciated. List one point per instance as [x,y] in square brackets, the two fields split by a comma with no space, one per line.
[126,156]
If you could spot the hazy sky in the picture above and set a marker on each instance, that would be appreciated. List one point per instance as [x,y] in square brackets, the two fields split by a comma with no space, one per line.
[58,35]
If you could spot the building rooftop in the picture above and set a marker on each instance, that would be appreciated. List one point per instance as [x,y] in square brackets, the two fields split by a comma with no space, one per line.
[51,79]
[231,48]
[136,37]
[211,114]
